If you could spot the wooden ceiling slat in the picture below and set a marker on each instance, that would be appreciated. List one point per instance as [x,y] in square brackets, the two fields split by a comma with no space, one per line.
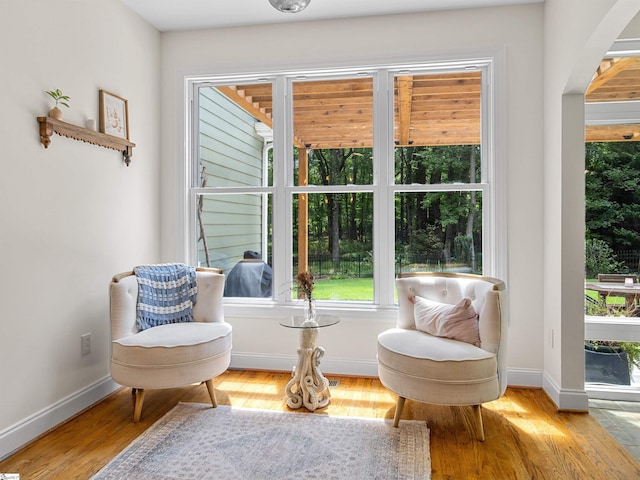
[612,133]
[447,77]
[346,87]
[332,102]
[331,119]
[444,100]
[447,90]
[310,110]
[625,79]
[426,117]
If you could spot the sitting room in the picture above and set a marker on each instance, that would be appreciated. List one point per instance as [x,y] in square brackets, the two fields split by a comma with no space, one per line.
[359,144]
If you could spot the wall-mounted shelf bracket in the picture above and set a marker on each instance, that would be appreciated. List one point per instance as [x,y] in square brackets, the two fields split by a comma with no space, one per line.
[49,126]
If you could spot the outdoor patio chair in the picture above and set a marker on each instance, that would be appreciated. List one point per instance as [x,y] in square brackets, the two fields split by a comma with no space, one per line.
[462,360]
[174,354]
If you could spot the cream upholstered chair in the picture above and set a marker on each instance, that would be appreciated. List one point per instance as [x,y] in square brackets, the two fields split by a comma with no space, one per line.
[173,355]
[443,371]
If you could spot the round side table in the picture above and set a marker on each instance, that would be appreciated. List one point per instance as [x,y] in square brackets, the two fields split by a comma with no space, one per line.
[308,388]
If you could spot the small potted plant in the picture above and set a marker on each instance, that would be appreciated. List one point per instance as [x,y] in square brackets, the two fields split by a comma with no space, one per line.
[60,99]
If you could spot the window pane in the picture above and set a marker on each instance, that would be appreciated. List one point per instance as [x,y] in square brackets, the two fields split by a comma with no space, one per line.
[234,234]
[335,242]
[437,165]
[437,128]
[234,124]
[333,127]
[439,231]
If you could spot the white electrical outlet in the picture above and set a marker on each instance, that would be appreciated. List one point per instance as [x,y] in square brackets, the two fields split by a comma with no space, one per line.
[85,344]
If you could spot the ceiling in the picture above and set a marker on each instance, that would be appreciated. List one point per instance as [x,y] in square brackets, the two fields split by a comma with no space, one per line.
[168,15]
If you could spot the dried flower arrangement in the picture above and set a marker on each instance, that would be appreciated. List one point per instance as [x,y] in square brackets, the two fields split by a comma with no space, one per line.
[305,286]
[305,283]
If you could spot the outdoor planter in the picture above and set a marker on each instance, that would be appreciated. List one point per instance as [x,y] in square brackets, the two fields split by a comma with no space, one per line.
[606,364]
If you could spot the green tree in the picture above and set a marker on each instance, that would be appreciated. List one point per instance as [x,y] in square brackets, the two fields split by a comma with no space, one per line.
[340,219]
[612,194]
[600,258]
[452,214]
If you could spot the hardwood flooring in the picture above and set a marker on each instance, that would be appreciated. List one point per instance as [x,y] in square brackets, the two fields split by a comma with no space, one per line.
[526,438]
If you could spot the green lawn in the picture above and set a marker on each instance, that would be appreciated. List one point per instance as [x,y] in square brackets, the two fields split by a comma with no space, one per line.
[353,289]
[611,300]
[361,290]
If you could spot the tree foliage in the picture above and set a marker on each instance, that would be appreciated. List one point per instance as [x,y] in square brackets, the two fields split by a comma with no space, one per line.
[438,218]
[600,258]
[442,225]
[612,194]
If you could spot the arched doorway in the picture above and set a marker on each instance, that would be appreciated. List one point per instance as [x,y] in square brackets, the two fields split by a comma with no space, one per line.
[582,48]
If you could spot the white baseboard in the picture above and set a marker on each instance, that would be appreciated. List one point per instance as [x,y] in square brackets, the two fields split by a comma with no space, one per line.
[516,377]
[523,377]
[23,432]
[242,360]
[565,399]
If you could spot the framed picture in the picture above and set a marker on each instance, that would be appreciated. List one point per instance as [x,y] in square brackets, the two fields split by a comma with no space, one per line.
[114,115]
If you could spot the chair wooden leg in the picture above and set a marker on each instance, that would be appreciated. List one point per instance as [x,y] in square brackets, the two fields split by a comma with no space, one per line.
[137,410]
[212,392]
[398,414]
[477,410]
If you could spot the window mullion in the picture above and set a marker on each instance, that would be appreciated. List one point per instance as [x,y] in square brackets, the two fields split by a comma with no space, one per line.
[282,209]
[192,132]
[383,220]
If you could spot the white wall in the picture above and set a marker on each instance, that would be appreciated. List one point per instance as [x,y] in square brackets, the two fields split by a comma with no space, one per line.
[515,33]
[632,30]
[72,215]
[576,38]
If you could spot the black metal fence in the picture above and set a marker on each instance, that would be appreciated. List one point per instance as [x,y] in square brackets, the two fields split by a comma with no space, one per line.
[630,259]
[360,265]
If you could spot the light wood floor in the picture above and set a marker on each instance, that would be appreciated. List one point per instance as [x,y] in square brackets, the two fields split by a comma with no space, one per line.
[526,438]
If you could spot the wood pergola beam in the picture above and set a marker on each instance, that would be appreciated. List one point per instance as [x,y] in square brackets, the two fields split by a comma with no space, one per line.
[405,95]
[612,133]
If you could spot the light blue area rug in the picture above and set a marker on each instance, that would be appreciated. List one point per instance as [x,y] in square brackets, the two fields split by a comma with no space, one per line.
[195,441]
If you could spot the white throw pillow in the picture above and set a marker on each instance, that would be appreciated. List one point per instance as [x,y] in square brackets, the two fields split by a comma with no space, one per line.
[459,322]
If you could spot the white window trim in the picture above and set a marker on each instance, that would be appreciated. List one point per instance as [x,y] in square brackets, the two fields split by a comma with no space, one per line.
[495,259]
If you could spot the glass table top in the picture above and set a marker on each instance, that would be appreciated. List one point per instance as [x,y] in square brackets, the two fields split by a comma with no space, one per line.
[301,321]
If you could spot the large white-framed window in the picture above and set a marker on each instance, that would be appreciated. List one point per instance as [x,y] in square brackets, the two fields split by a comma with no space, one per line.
[357,174]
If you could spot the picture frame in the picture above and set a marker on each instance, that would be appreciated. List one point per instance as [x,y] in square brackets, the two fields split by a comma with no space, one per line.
[114,115]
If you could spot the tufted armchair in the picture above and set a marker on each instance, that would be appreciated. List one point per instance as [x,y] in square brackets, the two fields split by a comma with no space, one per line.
[435,369]
[173,355]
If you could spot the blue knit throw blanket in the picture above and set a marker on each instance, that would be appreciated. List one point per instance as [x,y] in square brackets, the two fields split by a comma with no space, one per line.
[166,294]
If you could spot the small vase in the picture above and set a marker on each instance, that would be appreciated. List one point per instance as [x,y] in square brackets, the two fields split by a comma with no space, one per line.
[310,309]
[56,113]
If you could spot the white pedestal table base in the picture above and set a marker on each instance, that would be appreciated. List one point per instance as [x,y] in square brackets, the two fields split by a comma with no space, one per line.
[308,388]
